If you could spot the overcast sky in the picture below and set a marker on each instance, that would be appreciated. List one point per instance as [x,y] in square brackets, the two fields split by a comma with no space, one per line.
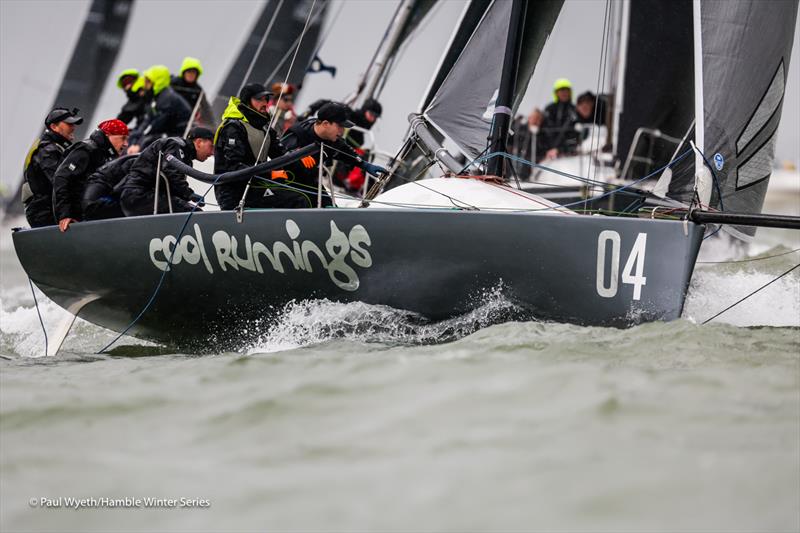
[37,37]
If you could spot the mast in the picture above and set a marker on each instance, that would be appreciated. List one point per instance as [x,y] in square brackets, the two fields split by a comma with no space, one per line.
[622,57]
[388,47]
[702,173]
[505,94]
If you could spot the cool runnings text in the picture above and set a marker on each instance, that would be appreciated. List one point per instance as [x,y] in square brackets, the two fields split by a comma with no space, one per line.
[235,254]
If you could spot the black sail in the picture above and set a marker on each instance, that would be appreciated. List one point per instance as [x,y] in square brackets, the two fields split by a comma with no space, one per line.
[657,86]
[271,62]
[463,105]
[89,67]
[745,48]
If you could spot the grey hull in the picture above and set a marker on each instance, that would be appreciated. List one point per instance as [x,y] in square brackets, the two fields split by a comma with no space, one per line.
[437,263]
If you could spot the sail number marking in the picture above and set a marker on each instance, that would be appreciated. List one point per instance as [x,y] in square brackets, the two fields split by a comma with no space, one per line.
[607,286]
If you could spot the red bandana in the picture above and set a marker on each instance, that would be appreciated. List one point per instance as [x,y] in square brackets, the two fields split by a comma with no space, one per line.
[113,127]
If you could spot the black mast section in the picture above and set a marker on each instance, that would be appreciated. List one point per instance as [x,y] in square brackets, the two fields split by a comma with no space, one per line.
[505,94]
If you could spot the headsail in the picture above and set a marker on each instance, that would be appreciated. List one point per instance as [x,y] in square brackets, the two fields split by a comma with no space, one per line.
[745,48]
[463,105]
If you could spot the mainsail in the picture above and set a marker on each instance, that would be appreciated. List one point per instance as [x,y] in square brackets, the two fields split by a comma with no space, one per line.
[744,48]
[463,106]
[266,54]
[656,85]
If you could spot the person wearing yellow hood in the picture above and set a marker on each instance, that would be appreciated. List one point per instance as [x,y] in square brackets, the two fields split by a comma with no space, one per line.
[167,115]
[558,128]
[135,108]
[187,87]
[244,139]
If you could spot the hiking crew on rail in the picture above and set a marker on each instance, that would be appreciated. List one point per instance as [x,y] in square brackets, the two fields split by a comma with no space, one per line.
[66,183]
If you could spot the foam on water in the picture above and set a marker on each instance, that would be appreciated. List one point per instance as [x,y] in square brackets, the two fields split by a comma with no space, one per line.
[715,288]
[312,322]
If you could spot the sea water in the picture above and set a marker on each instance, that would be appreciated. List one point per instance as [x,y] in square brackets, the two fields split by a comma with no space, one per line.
[357,417]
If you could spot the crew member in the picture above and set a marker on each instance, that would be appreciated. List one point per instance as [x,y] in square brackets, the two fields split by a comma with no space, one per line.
[41,163]
[281,106]
[558,128]
[245,139]
[136,106]
[364,118]
[101,199]
[187,87]
[167,115]
[82,159]
[327,128]
[174,193]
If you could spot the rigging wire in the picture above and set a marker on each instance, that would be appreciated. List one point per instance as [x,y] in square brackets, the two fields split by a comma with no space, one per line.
[295,46]
[330,27]
[752,293]
[261,44]
[601,73]
[291,66]
[748,260]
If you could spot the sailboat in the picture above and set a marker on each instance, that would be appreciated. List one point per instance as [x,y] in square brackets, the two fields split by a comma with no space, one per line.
[436,247]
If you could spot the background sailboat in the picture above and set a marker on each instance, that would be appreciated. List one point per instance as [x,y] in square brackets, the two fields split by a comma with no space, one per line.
[93,57]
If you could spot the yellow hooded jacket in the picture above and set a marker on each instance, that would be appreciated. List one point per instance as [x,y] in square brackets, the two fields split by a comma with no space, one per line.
[160,76]
[191,63]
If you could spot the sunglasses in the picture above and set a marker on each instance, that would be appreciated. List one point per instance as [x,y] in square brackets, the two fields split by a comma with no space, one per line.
[65,115]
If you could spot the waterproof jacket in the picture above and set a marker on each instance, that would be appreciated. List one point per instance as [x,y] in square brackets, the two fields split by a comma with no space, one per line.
[135,108]
[558,127]
[101,199]
[69,180]
[37,192]
[168,113]
[143,171]
[108,179]
[302,134]
[237,142]
[191,92]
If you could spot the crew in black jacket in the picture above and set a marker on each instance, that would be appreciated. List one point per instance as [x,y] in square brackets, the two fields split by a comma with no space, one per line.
[241,141]
[41,164]
[104,187]
[138,99]
[81,160]
[327,128]
[139,188]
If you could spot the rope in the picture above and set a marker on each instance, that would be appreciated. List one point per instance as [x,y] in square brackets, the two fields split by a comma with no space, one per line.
[601,70]
[752,293]
[291,66]
[749,260]
[452,199]
[294,46]
[161,280]
[36,303]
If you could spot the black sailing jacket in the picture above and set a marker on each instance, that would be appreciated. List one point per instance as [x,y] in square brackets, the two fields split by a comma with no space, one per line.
[41,165]
[69,181]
